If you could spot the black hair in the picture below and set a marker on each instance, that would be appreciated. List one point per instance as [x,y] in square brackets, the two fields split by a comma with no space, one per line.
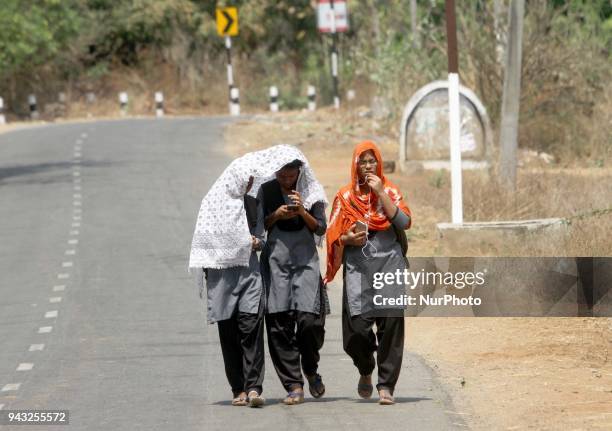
[296,164]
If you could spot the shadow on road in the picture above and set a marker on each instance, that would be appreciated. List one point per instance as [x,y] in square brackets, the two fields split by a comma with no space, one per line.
[21,171]
[271,401]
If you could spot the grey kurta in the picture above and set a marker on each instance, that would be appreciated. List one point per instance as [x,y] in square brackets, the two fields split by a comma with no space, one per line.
[237,288]
[383,254]
[290,266]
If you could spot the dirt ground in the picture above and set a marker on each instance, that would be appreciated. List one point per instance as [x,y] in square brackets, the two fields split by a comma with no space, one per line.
[502,373]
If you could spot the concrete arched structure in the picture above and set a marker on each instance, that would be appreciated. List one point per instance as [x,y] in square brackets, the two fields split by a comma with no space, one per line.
[466,97]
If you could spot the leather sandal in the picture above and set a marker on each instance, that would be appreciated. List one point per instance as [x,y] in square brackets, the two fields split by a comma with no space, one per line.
[364,389]
[316,386]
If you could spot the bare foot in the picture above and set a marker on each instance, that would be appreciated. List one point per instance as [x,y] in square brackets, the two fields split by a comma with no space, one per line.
[385,397]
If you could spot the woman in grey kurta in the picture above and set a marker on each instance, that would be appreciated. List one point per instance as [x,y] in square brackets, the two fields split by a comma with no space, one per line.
[367,219]
[235,301]
[295,313]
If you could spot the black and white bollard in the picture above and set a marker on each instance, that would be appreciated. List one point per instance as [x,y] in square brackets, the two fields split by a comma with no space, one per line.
[159,104]
[33,108]
[274,99]
[312,98]
[234,101]
[2,118]
[123,101]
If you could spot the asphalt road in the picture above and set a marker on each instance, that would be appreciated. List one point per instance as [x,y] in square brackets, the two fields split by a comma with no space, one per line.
[98,314]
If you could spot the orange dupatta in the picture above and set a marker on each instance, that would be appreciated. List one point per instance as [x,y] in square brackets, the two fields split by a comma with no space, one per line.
[349,206]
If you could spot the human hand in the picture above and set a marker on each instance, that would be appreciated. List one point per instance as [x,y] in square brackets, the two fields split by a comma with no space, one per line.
[283,213]
[375,183]
[355,238]
[297,200]
[255,243]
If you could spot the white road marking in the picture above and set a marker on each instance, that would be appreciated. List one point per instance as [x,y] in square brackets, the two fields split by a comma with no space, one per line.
[11,387]
[77,154]
[45,329]
[77,196]
[84,135]
[76,203]
[55,299]
[1,406]
[77,188]
[51,314]
[70,252]
[73,241]
[36,347]
[76,174]
[67,264]
[63,276]
[59,288]
[25,366]
[76,224]
[74,232]
[76,217]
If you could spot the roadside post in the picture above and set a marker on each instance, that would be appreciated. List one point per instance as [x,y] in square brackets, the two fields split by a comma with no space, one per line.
[227,26]
[332,17]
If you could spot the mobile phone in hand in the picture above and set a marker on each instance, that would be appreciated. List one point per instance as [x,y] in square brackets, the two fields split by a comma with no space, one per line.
[360,226]
[293,207]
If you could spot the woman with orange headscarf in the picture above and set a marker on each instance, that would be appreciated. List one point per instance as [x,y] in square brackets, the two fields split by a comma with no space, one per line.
[367,221]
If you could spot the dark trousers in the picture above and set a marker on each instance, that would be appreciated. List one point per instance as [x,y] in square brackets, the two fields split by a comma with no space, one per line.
[242,346]
[295,337]
[360,343]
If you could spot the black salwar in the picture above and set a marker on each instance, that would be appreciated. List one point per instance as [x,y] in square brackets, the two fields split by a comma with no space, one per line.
[242,347]
[360,342]
[295,337]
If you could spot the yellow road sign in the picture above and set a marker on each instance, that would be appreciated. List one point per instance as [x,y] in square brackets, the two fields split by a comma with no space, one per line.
[227,21]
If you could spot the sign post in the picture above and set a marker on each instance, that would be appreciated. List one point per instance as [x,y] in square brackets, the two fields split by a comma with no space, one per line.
[454,114]
[227,26]
[332,18]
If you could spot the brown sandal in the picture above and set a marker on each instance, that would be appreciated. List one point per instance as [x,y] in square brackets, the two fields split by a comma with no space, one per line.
[255,399]
[365,389]
[240,400]
[294,397]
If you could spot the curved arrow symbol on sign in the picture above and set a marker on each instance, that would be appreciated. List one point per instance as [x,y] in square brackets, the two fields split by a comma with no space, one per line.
[229,19]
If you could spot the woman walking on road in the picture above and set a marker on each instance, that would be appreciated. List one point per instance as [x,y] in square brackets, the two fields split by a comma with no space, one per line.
[294,216]
[365,234]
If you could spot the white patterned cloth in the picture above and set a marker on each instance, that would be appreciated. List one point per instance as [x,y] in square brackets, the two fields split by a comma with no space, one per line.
[221,238]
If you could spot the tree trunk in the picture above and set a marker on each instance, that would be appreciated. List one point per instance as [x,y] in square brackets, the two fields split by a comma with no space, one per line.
[511,96]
